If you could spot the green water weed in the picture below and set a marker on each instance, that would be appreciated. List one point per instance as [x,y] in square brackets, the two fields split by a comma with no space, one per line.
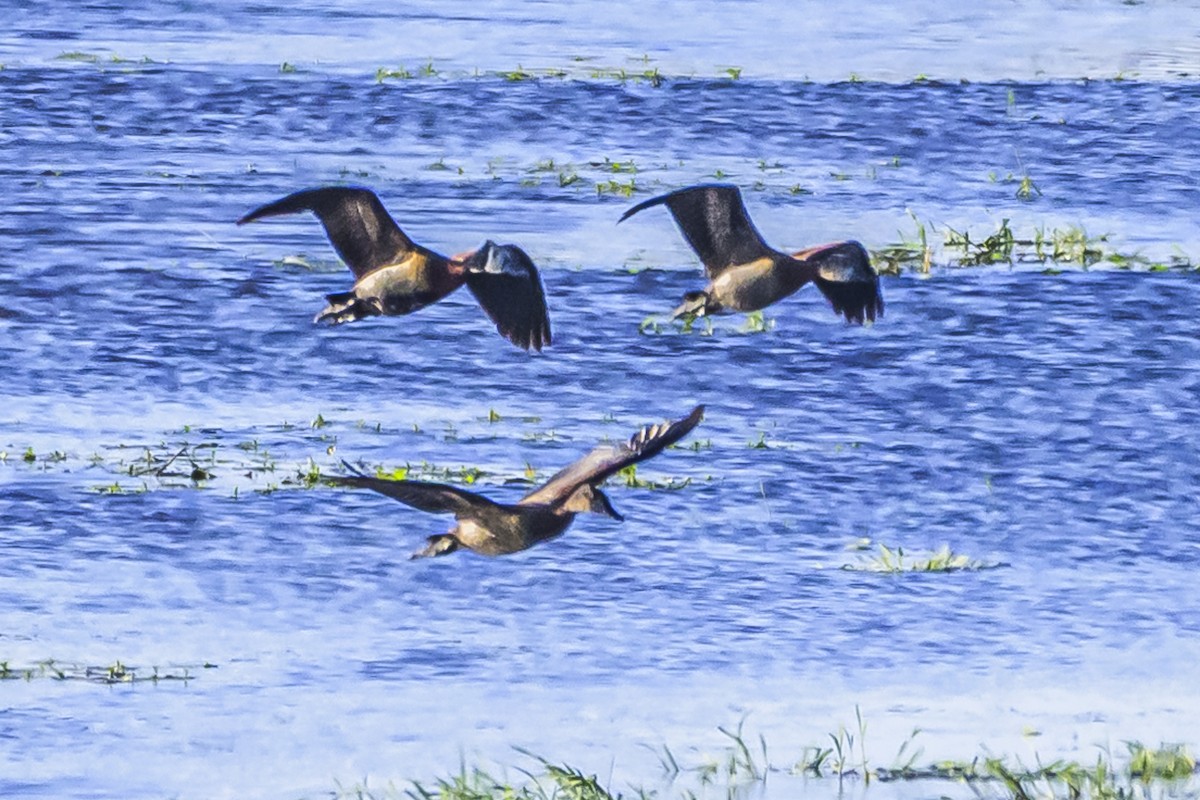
[894,560]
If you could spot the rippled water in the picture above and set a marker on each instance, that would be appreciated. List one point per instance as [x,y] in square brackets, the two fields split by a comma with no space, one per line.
[1046,425]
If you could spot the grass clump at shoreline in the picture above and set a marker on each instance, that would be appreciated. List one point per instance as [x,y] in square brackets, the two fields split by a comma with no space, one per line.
[824,769]
[1050,248]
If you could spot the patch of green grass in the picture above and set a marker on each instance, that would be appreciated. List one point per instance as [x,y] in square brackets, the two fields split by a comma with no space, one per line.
[650,325]
[687,324]
[908,252]
[742,769]
[613,186]
[77,55]
[993,249]
[516,75]
[426,70]
[620,166]
[117,672]
[1071,245]
[399,73]
[1027,189]
[1104,779]
[756,322]
[630,478]
[894,560]
[1170,762]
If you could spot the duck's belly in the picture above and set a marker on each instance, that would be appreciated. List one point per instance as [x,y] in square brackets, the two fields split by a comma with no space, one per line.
[750,287]
[511,533]
[408,285]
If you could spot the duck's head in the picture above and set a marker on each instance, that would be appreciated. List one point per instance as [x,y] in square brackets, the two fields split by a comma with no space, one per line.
[491,258]
[588,499]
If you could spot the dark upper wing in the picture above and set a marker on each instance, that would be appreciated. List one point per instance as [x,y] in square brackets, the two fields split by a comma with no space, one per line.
[844,274]
[435,498]
[607,459]
[358,226]
[714,221]
[509,289]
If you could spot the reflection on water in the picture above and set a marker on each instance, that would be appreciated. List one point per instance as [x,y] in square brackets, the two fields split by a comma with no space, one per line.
[1044,422]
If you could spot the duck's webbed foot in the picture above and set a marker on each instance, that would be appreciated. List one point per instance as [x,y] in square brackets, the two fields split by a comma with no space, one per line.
[348,307]
[441,545]
[695,304]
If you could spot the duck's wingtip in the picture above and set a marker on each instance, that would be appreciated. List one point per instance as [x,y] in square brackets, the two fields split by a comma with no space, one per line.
[653,201]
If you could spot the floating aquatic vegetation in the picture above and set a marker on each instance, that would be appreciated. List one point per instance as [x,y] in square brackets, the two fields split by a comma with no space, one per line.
[621,75]
[117,672]
[613,186]
[630,478]
[683,324]
[1071,245]
[399,73]
[77,55]
[755,322]
[896,560]
[425,471]
[515,75]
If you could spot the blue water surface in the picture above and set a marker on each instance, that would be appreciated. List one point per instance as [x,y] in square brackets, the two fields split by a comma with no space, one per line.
[1042,424]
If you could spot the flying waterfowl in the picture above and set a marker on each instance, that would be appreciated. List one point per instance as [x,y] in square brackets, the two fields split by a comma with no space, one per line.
[496,529]
[746,274]
[394,275]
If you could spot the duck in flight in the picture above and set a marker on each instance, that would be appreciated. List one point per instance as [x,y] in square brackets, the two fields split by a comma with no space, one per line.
[746,274]
[496,529]
[394,275]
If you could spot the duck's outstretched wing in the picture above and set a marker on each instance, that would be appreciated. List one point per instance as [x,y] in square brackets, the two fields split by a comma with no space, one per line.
[714,221]
[843,273]
[507,285]
[436,498]
[358,226]
[607,459]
